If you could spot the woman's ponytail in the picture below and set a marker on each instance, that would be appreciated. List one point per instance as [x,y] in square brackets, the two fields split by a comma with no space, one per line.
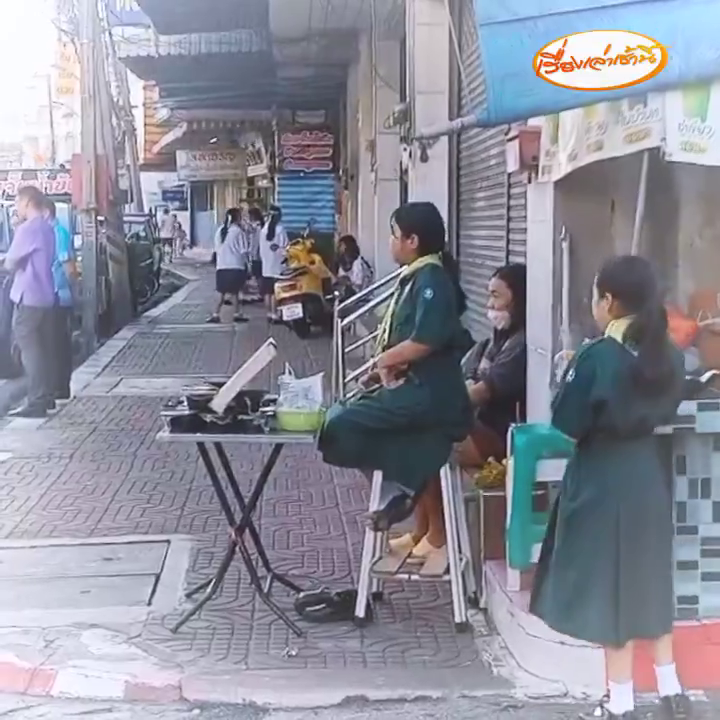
[231,216]
[452,269]
[648,334]
[225,227]
[275,217]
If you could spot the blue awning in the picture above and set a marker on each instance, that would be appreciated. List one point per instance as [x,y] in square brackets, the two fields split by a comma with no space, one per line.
[511,32]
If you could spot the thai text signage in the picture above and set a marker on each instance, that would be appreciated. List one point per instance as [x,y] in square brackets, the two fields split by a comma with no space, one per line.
[48,182]
[600,60]
[306,151]
[210,164]
[693,124]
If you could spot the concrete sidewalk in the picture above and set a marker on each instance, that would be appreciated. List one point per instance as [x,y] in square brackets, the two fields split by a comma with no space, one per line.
[93,472]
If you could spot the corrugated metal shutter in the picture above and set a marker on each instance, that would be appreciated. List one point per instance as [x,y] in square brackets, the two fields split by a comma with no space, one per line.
[484,198]
[305,196]
[518,217]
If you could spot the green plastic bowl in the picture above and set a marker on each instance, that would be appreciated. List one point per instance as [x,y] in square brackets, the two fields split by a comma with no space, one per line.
[299,420]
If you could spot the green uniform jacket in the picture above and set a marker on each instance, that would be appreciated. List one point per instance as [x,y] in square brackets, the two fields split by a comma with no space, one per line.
[605,570]
[408,431]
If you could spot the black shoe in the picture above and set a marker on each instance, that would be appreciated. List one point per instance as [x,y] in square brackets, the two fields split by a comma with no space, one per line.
[395,507]
[29,411]
[213,320]
[678,707]
[51,405]
[241,319]
[63,396]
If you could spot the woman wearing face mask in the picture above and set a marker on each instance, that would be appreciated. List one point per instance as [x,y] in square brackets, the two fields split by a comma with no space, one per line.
[495,379]
[495,370]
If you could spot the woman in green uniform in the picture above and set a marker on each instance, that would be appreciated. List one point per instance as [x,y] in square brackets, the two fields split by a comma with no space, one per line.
[415,404]
[605,570]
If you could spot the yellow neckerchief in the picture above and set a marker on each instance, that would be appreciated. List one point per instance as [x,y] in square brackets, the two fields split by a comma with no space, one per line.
[616,328]
[383,336]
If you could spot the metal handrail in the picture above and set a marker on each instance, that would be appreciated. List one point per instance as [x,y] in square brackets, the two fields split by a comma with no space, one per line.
[382,282]
[339,351]
[365,309]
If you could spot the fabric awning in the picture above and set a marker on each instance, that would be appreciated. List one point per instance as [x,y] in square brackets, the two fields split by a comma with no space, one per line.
[511,32]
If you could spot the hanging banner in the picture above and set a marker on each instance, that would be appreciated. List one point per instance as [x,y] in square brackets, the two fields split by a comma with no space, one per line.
[255,154]
[67,72]
[575,138]
[692,121]
[210,164]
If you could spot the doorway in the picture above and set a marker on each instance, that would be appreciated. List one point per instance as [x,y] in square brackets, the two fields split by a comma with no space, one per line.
[202,196]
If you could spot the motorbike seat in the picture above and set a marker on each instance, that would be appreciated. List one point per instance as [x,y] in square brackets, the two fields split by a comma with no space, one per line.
[294,272]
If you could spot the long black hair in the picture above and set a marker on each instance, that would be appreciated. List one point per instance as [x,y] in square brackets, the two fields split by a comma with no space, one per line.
[351,254]
[630,280]
[232,217]
[275,218]
[514,276]
[255,215]
[424,220]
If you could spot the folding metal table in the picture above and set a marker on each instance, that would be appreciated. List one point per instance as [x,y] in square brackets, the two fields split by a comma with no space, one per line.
[244,524]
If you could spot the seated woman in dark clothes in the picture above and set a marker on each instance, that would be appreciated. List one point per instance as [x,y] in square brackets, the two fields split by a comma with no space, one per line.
[496,382]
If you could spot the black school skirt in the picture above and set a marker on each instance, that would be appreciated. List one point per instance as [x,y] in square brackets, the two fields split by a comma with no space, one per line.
[230,281]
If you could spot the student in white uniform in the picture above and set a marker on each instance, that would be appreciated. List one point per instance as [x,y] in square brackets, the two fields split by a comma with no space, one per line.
[354,272]
[233,257]
[255,225]
[273,245]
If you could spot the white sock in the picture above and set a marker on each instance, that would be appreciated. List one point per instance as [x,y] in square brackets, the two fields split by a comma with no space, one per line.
[622,698]
[667,680]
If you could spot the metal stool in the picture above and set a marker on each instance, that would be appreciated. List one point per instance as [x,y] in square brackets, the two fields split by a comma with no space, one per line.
[460,573]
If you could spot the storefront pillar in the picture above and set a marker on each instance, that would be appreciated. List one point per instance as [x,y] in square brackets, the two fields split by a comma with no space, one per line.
[387,151]
[428,61]
[365,182]
[541,329]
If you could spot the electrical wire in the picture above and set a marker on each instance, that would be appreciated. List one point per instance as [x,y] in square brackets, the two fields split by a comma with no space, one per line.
[464,82]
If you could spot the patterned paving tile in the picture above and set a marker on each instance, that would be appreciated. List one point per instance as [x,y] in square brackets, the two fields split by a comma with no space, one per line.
[94,470]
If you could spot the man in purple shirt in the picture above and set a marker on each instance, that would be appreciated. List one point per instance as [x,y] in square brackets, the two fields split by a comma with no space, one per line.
[31,257]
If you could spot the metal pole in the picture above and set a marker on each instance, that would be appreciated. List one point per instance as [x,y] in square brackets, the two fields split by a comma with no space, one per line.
[641,202]
[86,28]
[565,320]
[51,117]
[131,147]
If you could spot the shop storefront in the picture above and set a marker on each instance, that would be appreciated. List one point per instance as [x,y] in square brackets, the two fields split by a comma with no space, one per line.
[633,176]
[222,178]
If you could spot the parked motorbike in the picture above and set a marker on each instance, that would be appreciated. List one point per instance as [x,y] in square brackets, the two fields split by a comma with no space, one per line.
[304,293]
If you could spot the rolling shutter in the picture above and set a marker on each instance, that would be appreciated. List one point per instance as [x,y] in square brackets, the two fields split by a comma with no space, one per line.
[491,206]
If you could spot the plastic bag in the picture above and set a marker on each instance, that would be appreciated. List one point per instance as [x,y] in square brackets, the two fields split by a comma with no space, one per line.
[300,393]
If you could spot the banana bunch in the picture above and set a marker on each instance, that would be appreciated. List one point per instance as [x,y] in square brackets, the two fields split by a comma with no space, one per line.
[491,475]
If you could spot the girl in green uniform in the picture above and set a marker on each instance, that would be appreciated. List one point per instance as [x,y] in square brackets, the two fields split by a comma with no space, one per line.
[415,404]
[605,570]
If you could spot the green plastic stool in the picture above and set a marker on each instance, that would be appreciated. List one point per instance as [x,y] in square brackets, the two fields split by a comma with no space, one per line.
[529,444]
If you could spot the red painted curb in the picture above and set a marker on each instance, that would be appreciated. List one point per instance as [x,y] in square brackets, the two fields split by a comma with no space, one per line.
[25,680]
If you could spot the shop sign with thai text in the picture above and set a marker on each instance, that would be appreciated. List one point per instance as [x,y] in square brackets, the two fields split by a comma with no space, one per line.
[685,123]
[195,165]
[692,120]
[307,151]
[47,181]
